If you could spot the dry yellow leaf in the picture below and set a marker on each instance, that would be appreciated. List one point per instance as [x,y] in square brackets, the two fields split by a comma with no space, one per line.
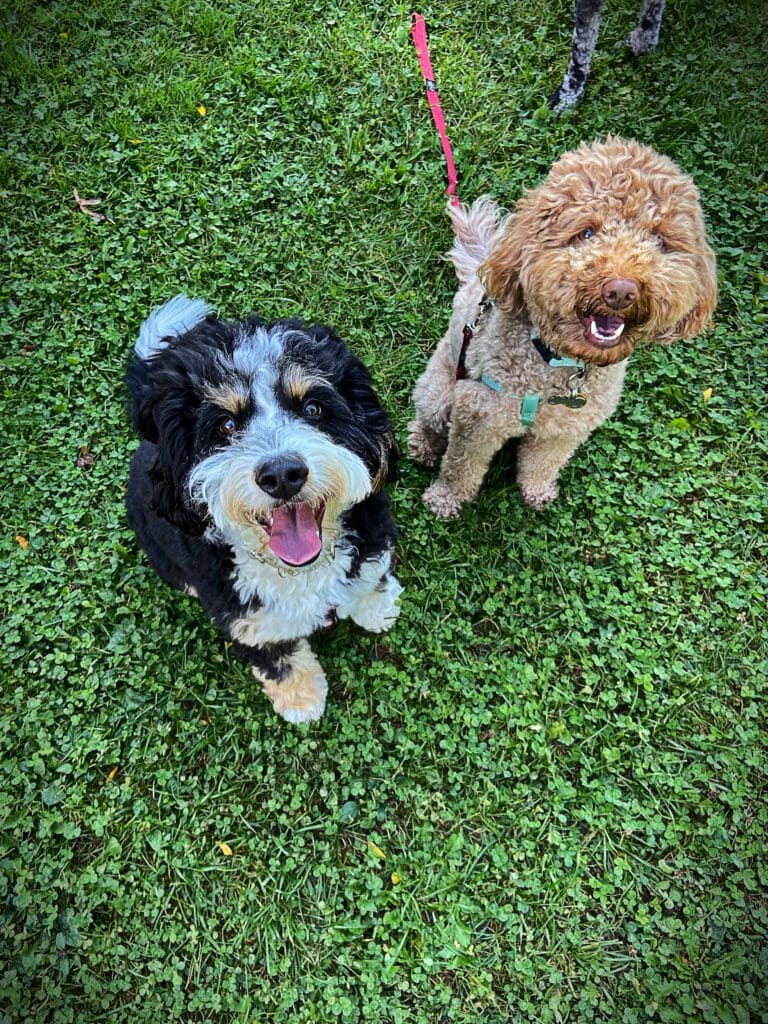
[376,850]
[201,110]
[135,142]
[22,541]
[707,394]
[112,774]
[395,878]
[225,848]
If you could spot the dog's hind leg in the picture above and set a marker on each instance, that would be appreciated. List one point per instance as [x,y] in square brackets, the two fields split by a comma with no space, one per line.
[433,398]
[645,37]
[539,461]
[585,28]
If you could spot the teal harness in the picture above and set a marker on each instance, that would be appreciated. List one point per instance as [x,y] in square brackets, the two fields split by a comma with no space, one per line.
[529,404]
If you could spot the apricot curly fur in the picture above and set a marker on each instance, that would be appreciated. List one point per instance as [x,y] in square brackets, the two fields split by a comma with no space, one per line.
[608,212]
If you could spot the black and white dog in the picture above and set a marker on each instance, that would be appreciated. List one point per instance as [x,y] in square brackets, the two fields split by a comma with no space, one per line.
[257,487]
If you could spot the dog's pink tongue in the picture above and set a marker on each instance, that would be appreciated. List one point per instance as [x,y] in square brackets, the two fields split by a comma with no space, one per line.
[295,537]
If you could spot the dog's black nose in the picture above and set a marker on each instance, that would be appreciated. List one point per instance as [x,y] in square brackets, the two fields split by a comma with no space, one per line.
[283,476]
[620,292]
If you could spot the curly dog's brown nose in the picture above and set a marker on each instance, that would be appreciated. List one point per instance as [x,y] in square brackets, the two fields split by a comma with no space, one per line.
[620,292]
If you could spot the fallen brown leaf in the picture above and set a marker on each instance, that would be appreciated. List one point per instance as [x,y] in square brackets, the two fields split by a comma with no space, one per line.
[85,206]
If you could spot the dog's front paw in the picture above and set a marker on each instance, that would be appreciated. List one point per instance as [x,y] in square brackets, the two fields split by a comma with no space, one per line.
[378,610]
[300,697]
[443,500]
[538,497]
[425,446]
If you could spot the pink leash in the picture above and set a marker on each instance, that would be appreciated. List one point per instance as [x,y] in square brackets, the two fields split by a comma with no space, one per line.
[419,33]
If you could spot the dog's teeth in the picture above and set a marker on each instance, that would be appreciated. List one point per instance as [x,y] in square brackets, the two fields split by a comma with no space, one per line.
[600,336]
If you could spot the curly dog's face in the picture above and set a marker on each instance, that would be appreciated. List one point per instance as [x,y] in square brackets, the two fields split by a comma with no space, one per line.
[610,251]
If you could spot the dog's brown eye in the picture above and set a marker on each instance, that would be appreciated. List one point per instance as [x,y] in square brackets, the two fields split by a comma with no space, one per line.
[313,409]
[227,426]
[585,235]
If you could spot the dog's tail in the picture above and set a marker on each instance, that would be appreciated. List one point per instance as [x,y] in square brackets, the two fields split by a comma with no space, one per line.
[475,229]
[176,317]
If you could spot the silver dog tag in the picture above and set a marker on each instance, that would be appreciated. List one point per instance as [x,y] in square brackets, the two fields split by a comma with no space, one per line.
[571,401]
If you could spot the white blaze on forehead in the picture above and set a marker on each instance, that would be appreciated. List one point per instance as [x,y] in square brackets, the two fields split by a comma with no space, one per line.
[257,351]
[255,358]
[176,317]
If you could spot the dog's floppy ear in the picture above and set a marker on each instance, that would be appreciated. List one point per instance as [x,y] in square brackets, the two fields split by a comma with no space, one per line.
[697,318]
[359,390]
[165,398]
[372,425]
[500,274]
[390,457]
[163,410]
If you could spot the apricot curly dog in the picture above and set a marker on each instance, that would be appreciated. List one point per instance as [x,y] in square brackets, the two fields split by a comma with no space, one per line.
[608,253]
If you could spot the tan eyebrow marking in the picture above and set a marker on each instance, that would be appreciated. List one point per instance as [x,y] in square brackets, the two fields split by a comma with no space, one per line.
[297,381]
[230,395]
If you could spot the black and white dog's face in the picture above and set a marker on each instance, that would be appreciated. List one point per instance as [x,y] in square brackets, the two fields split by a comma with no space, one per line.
[267,432]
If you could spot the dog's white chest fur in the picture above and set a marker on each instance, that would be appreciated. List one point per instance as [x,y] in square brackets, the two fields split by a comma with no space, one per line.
[295,605]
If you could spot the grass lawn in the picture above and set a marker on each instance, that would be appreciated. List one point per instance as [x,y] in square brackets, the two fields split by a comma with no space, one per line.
[541,797]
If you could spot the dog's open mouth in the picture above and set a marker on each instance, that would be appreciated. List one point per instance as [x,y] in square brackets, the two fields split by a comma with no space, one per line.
[603,331]
[295,532]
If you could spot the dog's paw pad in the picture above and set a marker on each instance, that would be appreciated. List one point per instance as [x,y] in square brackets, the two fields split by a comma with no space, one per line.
[423,456]
[442,500]
[539,498]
